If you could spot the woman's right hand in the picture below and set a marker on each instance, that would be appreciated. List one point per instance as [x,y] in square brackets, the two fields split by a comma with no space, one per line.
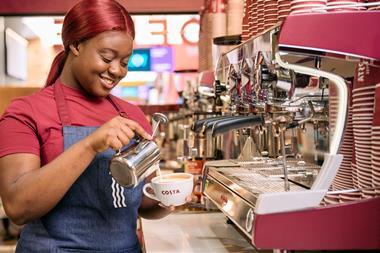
[115,134]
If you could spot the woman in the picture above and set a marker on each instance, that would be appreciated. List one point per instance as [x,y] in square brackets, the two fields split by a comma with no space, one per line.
[55,145]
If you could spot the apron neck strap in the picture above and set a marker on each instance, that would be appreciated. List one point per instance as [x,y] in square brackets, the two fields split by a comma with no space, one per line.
[60,100]
[117,106]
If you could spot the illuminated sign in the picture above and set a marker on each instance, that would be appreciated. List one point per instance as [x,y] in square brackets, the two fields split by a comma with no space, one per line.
[140,60]
[163,30]
[166,29]
[161,59]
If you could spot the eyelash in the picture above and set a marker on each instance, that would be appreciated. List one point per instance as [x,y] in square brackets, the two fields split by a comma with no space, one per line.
[105,59]
[124,65]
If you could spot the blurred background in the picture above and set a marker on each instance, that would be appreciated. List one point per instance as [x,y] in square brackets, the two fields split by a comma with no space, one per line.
[166,52]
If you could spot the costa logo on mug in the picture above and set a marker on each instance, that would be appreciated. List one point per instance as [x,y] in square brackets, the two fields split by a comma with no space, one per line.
[170,189]
[170,192]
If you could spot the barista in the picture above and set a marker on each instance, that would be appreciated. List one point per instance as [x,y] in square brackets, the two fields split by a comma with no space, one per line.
[55,145]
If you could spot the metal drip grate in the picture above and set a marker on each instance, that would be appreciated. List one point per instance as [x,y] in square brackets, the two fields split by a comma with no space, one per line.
[274,167]
[253,181]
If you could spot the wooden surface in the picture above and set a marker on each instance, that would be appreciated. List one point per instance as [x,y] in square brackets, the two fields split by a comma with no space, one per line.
[7,94]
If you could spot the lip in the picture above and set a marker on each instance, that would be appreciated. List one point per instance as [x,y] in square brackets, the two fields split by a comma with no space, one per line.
[107,85]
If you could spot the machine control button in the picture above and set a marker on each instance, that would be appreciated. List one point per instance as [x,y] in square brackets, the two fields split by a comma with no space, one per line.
[249,220]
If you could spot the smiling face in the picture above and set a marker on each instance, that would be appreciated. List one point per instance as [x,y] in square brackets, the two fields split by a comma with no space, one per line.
[99,63]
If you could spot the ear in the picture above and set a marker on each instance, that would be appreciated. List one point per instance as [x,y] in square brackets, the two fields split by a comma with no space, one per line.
[74,48]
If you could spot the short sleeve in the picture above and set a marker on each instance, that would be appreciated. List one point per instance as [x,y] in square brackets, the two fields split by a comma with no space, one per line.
[18,131]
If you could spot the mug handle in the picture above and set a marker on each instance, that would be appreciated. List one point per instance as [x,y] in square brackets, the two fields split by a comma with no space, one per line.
[149,195]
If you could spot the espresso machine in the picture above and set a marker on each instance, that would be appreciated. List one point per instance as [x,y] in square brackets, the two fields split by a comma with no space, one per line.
[291,86]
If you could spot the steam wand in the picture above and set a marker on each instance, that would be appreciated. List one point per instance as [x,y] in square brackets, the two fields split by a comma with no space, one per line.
[158,118]
[281,129]
[282,143]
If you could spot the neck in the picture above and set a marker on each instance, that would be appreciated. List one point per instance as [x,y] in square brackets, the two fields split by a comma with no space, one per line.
[67,76]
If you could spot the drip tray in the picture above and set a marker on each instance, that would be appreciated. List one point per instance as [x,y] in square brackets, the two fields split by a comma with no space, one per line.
[255,180]
[234,186]
[299,172]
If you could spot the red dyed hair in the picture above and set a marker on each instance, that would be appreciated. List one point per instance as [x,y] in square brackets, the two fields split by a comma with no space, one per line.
[85,20]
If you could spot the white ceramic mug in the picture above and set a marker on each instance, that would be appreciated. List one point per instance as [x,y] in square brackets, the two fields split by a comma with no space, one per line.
[171,189]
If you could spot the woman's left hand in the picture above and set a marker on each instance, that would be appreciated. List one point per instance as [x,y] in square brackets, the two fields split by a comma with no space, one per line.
[191,199]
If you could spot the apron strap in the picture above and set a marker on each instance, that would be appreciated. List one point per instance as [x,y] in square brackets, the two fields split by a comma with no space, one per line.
[117,106]
[63,112]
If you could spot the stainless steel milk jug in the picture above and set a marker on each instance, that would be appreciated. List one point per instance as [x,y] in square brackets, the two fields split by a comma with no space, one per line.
[132,165]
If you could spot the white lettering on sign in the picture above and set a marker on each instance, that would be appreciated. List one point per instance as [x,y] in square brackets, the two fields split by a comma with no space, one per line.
[166,29]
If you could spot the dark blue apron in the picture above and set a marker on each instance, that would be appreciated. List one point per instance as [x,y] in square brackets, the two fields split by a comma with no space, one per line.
[96,214]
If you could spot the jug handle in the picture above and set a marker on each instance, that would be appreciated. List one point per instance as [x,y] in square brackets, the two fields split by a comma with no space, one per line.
[137,140]
[141,146]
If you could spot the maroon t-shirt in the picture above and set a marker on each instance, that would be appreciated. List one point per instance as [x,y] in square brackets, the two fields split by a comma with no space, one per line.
[31,124]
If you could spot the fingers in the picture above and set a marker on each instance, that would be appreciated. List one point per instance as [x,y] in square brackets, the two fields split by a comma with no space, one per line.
[126,132]
[137,128]
[169,208]
[120,136]
[116,134]
[191,199]
[115,144]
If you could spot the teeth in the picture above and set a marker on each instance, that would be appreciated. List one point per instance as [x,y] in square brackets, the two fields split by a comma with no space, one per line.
[107,80]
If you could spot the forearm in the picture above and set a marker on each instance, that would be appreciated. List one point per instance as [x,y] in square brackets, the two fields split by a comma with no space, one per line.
[37,191]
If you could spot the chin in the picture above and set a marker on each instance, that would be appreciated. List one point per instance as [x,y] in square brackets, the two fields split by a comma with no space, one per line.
[103,93]
[99,92]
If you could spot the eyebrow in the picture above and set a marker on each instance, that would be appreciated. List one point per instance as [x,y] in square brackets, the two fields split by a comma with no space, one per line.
[102,50]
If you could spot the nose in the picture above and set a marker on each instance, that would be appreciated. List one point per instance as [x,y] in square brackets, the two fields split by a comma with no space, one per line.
[117,70]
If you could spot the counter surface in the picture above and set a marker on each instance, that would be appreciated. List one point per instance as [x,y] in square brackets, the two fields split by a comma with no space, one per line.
[193,232]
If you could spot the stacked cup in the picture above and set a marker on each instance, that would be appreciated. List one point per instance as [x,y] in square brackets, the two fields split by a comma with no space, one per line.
[345,197]
[270,13]
[213,24]
[235,11]
[307,6]
[373,8]
[283,9]
[363,104]
[344,176]
[245,34]
[254,16]
[331,199]
[354,167]
[260,16]
[344,5]
[375,154]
